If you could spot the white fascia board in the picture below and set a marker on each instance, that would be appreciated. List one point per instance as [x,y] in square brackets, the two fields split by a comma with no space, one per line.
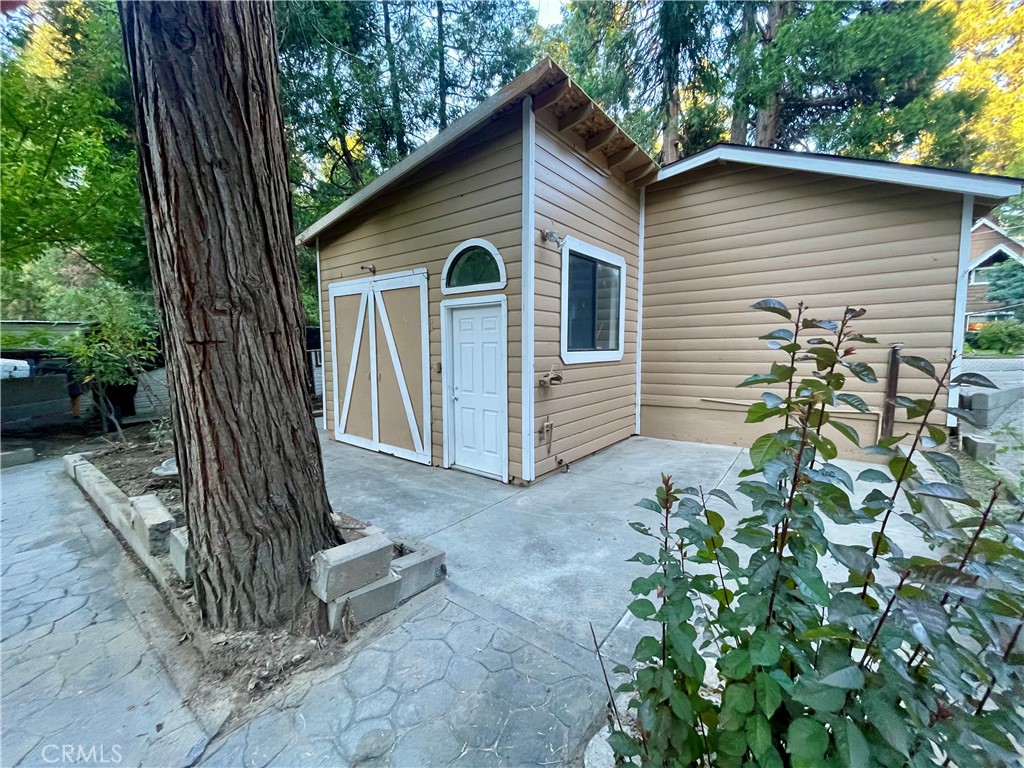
[892,173]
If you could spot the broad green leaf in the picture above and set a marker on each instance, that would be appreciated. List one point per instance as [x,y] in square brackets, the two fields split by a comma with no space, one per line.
[971,379]
[944,463]
[961,413]
[853,748]
[811,585]
[623,745]
[765,649]
[888,720]
[715,520]
[849,678]
[819,697]
[768,693]
[758,412]
[735,664]
[647,649]
[764,449]
[873,476]
[919,363]
[936,433]
[771,399]
[854,557]
[739,697]
[774,306]
[759,734]
[806,741]
[718,493]
[864,372]
[854,401]
[946,492]
[846,431]
[755,538]
[642,608]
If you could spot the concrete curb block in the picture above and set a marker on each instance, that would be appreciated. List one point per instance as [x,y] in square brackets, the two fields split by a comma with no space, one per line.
[17,457]
[990,404]
[181,559]
[119,510]
[342,575]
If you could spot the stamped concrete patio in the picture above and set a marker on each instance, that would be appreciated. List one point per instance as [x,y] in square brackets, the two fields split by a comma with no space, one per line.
[494,667]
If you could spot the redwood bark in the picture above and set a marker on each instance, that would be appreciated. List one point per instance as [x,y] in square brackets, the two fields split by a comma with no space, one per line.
[215,186]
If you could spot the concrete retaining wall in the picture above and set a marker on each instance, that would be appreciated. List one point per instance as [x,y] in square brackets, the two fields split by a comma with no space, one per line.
[358,581]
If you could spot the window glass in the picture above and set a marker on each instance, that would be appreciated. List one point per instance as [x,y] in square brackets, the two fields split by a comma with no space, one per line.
[474,266]
[593,305]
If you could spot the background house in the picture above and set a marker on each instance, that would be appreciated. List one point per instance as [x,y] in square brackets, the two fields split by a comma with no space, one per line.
[990,246]
[529,287]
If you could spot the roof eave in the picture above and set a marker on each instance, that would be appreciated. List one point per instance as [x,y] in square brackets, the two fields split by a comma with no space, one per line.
[989,187]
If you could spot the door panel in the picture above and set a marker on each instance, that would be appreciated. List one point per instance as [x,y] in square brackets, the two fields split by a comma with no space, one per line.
[380,347]
[352,414]
[479,401]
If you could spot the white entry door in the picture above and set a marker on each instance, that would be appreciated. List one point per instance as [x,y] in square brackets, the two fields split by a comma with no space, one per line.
[478,386]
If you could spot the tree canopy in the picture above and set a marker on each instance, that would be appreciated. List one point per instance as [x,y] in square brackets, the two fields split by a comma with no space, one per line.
[363,84]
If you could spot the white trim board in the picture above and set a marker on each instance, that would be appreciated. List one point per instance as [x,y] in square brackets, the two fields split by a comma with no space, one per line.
[575,245]
[995,250]
[871,170]
[960,305]
[640,305]
[477,242]
[320,316]
[447,365]
[527,290]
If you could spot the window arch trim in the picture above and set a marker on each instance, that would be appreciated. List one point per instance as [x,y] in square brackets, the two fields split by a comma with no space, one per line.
[475,242]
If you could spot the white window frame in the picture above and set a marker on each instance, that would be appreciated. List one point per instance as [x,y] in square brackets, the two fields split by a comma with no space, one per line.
[450,261]
[572,244]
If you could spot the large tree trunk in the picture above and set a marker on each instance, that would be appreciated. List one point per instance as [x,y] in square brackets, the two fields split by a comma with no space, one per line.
[744,71]
[215,186]
[766,123]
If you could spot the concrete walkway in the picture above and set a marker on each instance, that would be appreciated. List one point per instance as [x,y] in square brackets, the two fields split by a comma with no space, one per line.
[495,667]
[79,673]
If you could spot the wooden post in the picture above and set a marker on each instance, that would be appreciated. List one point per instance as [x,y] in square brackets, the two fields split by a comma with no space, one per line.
[892,379]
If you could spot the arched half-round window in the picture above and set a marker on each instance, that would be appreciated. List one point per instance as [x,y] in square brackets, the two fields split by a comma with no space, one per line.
[475,265]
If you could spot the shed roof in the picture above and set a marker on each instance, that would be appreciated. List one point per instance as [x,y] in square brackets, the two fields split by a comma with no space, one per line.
[994,188]
[552,90]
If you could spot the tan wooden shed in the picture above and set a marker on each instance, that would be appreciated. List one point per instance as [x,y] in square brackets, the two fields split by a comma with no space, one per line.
[529,287]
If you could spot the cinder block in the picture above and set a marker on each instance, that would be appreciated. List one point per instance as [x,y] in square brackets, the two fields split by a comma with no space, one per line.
[17,457]
[181,558]
[982,450]
[365,603]
[989,405]
[71,462]
[344,569]
[151,523]
[422,568]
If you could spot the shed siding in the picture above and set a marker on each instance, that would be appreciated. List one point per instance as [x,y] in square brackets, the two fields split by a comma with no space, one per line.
[725,237]
[595,405]
[475,191]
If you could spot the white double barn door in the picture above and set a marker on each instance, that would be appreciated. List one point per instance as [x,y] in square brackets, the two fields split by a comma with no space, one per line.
[380,357]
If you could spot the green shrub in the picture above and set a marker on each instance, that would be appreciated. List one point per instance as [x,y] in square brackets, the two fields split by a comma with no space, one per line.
[1004,336]
[910,661]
